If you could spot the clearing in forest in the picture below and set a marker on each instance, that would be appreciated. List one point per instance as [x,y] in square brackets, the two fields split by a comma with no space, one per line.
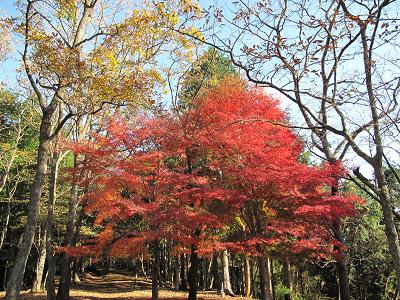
[119,286]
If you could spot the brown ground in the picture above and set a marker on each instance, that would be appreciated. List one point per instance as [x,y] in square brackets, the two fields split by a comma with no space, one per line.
[119,287]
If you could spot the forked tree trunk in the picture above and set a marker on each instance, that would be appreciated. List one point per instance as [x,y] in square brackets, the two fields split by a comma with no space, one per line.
[194,265]
[37,283]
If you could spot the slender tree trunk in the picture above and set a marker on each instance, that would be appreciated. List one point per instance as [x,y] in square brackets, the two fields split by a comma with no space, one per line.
[208,272]
[205,273]
[7,220]
[51,267]
[155,270]
[17,273]
[253,273]
[183,272]
[238,280]
[170,269]
[177,273]
[65,278]
[265,278]
[210,275]
[247,276]
[341,265]
[11,158]
[217,282]
[194,265]
[270,271]
[161,276]
[5,277]
[287,278]
[77,267]
[37,283]
[226,276]
[144,273]
[301,282]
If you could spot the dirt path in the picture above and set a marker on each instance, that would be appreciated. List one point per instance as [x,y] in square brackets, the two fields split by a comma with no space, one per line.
[119,287]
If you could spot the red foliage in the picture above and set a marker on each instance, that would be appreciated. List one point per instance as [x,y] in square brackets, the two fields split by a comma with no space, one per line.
[185,177]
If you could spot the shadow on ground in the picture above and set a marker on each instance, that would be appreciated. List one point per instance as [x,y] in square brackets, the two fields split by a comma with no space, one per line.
[118,286]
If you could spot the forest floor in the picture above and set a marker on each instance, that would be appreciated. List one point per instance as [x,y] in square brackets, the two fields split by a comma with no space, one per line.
[120,287]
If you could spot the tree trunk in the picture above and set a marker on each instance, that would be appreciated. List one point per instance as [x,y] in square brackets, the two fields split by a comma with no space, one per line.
[51,267]
[205,273]
[270,271]
[247,277]
[5,277]
[287,278]
[7,220]
[65,278]
[390,226]
[17,273]
[217,282]
[183,272]
[301,282]
[265,279]
[253,271]
[177,273]
[341,265]
[208,273]
[170,269]
[144,273]
[226,278]
[77,268]
[194,264]
[37,284]
[377,159]
[155,270]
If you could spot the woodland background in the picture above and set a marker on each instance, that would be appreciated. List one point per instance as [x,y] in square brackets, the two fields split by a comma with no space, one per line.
[189,92]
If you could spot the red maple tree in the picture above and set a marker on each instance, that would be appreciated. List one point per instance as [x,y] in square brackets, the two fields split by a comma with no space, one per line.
[185,176]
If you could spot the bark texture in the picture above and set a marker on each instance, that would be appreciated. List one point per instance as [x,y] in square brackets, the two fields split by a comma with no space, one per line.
[155,271]
[37,283]
[194,265]
[265,278]
[247,277]
[65,278]
[17,274]
[226,277]
[51,268]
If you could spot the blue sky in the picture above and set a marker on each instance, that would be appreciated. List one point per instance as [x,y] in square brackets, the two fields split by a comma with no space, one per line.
[7,68]
[8,72]
[7,7]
